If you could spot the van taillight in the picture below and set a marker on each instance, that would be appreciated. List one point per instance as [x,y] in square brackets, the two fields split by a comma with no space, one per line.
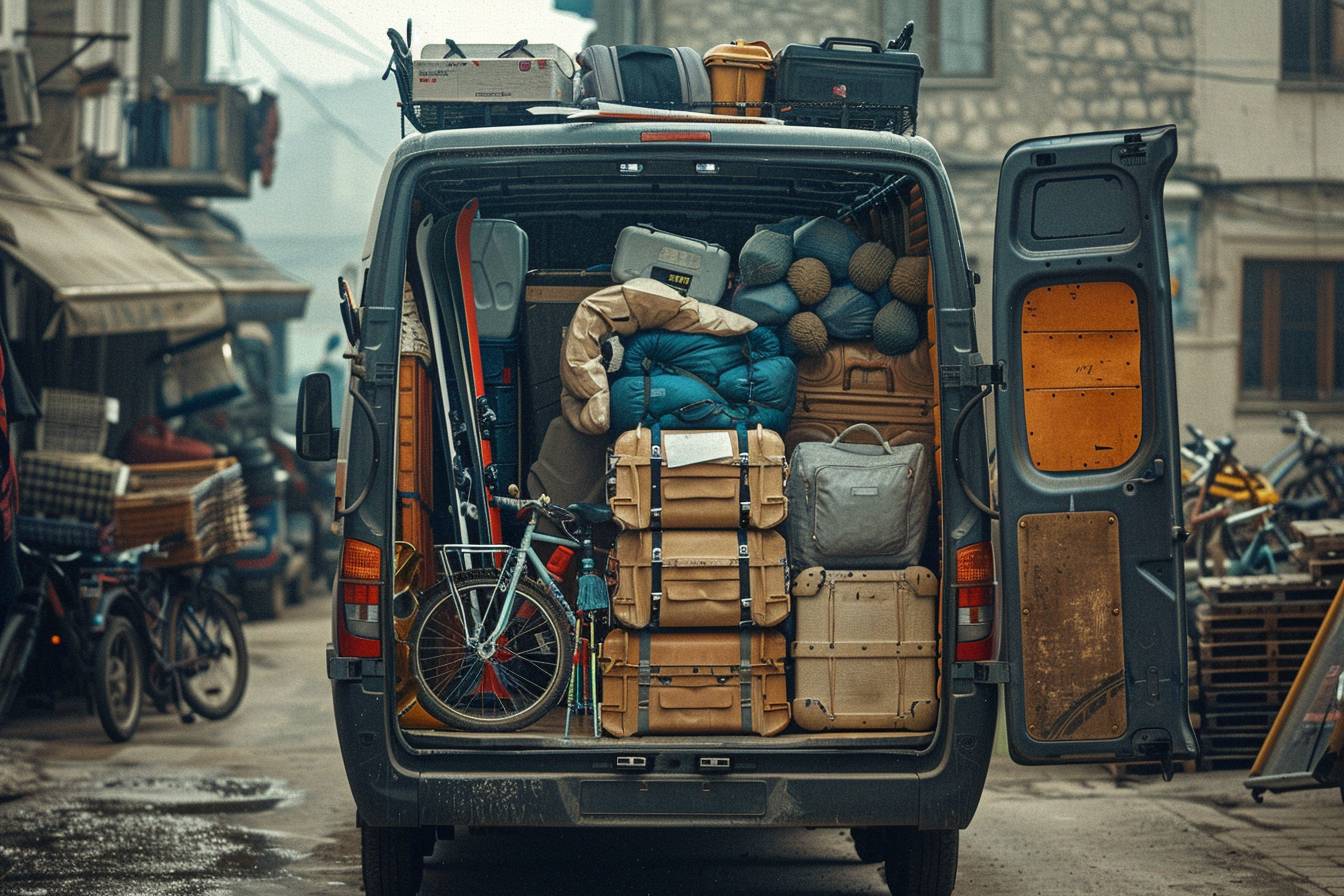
[975,602]
[358,632]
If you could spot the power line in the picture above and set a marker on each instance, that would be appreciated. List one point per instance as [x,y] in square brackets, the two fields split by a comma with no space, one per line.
[342,26]
[304,91]
[306,31]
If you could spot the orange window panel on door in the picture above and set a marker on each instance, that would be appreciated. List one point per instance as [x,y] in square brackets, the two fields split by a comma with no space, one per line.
[1081,383]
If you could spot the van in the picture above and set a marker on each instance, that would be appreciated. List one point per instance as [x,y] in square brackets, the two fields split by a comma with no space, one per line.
[1088,641]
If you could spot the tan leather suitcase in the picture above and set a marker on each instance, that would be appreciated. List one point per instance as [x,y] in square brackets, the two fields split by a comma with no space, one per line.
[726,682]
[653,488]
[865,653]
[708,578]
[855,383]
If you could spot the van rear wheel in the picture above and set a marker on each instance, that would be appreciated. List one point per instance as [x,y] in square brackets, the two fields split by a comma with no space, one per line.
[393,860]
[921,863]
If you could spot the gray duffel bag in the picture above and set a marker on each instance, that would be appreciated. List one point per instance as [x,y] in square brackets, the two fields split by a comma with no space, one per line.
[858,506]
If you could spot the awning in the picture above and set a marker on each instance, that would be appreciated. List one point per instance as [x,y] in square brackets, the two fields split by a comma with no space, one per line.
[254,289]
[104,276]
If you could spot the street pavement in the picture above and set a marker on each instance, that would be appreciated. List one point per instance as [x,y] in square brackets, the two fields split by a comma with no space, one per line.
[257,805]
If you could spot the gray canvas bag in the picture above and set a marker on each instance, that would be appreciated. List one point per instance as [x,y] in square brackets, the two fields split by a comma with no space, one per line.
[858,506]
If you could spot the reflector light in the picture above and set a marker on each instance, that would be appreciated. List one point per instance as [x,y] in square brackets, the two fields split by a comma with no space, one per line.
[361,560]
[975,602]
[675,137]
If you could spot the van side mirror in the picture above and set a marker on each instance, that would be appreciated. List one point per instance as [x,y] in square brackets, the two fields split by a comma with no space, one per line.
[317,438]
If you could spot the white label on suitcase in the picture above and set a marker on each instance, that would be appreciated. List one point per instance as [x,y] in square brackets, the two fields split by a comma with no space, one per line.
[685,448]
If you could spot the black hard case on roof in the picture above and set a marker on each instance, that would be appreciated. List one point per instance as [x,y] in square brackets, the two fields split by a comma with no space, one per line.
[848,82]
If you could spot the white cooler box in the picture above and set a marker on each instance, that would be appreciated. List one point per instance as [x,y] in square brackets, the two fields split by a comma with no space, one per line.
[493,73]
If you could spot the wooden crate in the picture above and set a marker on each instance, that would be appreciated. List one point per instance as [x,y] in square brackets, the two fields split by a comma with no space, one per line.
[1267,590]
[1319,537]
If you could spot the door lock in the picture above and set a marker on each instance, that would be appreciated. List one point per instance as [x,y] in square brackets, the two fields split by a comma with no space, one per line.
[1156,470]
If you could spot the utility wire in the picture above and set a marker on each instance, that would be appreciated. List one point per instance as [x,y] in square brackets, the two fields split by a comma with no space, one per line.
[305,92]
[345,28]
[305,30]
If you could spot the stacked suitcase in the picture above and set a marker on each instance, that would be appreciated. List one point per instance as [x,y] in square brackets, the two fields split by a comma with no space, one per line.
[702,584]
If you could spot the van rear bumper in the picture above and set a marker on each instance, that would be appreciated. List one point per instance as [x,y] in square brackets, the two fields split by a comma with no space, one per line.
[806,788]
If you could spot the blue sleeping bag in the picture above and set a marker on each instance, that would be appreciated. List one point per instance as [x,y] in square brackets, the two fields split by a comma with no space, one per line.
[696,381]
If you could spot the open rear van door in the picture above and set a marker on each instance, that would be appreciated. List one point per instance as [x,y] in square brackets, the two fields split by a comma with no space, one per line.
[1089,469]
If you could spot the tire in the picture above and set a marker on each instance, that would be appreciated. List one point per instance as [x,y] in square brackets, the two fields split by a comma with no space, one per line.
[214,690]
[392,859]
[433,646]
[16,645]
[869,845]
[922,863]
[263,598]
[118,679]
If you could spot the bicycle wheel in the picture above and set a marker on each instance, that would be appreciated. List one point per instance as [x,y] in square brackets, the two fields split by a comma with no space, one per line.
[16,645]
[502,686]
[118,679]
[207,648]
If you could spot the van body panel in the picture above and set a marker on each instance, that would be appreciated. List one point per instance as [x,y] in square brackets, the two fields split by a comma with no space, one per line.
[1093,585]
[400,781]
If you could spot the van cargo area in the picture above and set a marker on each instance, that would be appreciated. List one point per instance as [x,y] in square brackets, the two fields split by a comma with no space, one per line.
[571,209]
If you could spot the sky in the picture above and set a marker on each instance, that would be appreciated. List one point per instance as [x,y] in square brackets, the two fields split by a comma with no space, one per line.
[334,41]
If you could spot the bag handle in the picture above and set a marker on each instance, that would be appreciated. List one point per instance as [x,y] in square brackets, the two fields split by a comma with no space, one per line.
[868,428]
[883,368]
[831,43]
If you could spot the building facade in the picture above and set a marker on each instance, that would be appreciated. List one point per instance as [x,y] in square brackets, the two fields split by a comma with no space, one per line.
[1255,206]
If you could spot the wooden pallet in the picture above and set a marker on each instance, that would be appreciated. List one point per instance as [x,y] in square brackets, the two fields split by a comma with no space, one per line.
[1268,590]
[1328,570]
[1251,678]
[1217,763]
[1319,537]
[1213,700]
[1257,623]
[1247,720]
[1240,744]
[1214,650]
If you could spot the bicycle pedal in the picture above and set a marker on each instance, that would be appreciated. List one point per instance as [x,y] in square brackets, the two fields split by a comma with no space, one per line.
[188,718]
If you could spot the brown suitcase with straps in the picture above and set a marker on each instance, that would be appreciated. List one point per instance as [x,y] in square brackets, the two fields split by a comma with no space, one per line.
[855,383]
[733,485]
[707,578]
[715,682]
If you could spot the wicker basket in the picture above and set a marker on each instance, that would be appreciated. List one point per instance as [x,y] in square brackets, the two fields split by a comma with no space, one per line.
[202,503]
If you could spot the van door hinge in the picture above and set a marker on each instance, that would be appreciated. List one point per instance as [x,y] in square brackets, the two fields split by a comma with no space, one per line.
[982,672]
[971,373]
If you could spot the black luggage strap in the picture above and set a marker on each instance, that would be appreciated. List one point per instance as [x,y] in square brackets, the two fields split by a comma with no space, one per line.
[656,478]
[744,670]
[744,577]
[645,679]
[656,578]
[744,482]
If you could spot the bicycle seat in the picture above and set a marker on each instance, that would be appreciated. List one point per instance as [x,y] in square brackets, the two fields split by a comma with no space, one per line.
[591,513]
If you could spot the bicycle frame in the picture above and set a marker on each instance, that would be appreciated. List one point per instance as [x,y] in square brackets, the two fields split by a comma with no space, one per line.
[511,573]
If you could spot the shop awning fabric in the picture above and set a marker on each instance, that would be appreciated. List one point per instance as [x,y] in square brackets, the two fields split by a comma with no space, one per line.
[105,278]
[254,289]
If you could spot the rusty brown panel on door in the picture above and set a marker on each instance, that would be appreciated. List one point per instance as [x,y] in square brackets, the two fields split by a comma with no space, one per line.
[1089,307]
[1081,382]
[1081,430]
[1074,360]
[1073,633]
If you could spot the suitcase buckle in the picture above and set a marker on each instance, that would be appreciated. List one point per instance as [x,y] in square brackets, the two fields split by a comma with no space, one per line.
[655,597]
[742,551]
[657,555]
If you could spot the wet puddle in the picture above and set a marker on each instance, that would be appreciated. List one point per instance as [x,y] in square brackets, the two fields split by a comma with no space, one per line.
[153,835]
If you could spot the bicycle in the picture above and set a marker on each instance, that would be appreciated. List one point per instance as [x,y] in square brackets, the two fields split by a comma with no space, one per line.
[198,653]
[89,605]
[492,649]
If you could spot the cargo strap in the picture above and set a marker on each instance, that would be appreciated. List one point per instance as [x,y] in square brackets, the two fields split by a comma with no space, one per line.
[744,671]
[656,479]
[656,578]
[744,481]
[744,577]
[645,679]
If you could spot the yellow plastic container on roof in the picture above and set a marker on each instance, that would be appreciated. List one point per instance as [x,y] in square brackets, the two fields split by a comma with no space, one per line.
[738,73]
